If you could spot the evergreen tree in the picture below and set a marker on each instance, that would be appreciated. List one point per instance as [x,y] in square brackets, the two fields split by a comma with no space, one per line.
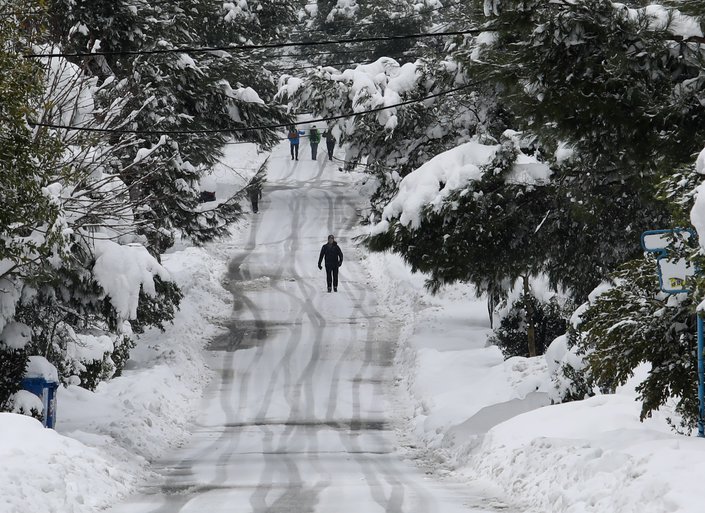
[635,322]
[612,84]
[367,19]
[391,143]
[530,325]
[486,233]
[176,92]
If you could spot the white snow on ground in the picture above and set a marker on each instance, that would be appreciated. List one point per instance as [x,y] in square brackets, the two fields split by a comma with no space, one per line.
[104,439]
[490,420]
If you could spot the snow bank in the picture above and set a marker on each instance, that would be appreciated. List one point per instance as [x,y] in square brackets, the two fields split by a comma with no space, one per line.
[454,385]
[43,471]
[592,456]
[105,438]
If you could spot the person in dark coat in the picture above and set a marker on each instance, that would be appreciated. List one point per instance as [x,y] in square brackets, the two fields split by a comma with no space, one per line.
[255,193]
[334,259]
[330,143]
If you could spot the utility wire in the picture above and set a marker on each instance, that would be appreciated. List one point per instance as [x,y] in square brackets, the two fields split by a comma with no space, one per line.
[206,49]
[261,127]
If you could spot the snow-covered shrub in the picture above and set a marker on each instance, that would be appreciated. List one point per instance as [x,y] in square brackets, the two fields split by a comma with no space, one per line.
[14,338]
[548,322]
[12,366]
[26,403]
[634,322]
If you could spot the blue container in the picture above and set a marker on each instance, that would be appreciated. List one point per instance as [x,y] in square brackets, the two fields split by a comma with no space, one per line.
[46,391]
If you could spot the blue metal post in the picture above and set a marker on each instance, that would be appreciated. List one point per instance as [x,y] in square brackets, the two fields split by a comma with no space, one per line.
[701,379]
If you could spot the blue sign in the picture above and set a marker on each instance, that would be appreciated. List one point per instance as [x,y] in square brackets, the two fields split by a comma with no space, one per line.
[673,273]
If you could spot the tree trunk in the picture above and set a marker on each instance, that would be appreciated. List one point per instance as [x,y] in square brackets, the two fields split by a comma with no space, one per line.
[530,326]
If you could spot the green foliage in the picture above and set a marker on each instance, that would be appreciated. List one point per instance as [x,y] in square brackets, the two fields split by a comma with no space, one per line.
[395,142]
[12,366]
[623,96]
[155,311]
[366,19]
[28,161]
[177,93]
[633,323]
[549,320]
[485,233]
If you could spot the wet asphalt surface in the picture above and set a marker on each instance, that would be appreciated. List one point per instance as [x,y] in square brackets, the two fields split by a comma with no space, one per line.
[299,418]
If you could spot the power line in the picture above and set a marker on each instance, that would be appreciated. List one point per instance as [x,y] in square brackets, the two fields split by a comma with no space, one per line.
[246,129]
[206,49]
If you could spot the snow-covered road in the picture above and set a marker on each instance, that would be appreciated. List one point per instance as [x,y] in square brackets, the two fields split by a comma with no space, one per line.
[301,417]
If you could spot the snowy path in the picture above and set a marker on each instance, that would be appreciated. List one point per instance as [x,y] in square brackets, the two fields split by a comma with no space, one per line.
[300,417]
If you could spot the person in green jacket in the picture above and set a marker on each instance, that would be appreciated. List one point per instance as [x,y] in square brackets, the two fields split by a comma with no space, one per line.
[314,138]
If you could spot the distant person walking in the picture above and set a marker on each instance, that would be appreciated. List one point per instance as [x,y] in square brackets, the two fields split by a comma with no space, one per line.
[293,137]
[330,143]
[334,259]
[255,193]
[314,138]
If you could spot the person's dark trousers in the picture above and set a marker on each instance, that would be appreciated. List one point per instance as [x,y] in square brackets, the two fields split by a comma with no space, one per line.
[314,150]
[331,147]
[332,277]
[295,151]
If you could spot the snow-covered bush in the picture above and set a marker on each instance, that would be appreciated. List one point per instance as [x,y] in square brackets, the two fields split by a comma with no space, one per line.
[631,323]
[548,321]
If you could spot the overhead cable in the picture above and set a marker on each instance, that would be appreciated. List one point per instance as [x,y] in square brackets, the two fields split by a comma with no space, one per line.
[246,129]
[226,48]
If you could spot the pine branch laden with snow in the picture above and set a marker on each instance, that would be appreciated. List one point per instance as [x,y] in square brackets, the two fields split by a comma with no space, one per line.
[124,271]
[471,215]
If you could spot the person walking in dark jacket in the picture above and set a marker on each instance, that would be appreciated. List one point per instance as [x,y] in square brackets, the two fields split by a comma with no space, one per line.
[314,138]
[330,143]
[255,193]
[334,259]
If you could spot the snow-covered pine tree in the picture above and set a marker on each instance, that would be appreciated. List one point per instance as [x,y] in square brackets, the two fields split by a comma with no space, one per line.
[30,228]
[353,19]
[530,323]
[64,210]
[210,92]
[633,322]
[486,232]
[616,86]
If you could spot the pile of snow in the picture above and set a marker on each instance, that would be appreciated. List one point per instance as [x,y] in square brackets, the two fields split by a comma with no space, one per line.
[104,439]
[44,471]
[592,456]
